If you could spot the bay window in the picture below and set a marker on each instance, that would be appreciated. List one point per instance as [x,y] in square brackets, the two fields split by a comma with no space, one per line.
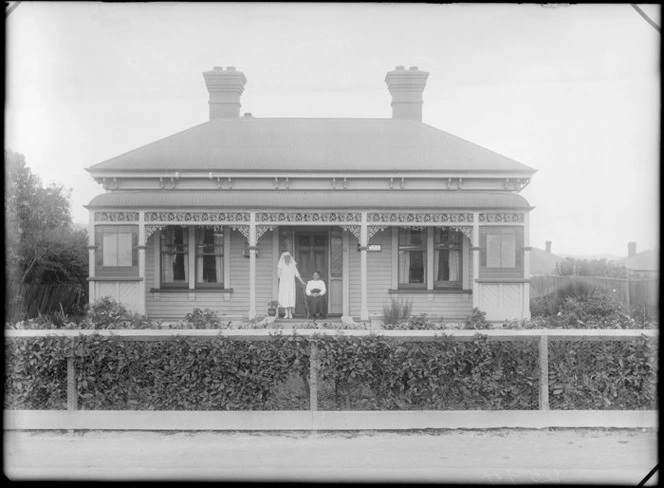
[501,252]
[117,250]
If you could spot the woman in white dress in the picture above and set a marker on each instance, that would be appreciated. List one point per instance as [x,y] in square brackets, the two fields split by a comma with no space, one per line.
[287,272]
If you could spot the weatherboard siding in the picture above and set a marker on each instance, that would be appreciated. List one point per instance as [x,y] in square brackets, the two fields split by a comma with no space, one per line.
[451,306]
[174,306]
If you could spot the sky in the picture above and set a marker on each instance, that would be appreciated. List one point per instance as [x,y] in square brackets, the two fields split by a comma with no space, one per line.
[570,90]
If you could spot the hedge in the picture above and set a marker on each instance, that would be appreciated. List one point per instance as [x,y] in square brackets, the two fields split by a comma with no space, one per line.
[367,373]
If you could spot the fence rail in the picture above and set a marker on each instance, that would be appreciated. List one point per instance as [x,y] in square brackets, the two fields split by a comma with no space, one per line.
[631,292]
[74,418]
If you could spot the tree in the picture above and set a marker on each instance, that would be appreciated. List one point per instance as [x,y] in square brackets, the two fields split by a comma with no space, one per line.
[42,245]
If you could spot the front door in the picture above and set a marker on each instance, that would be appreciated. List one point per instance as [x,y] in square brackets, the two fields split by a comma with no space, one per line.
[311,254]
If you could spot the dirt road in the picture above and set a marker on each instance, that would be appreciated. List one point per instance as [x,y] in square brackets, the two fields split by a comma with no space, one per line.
[490,456]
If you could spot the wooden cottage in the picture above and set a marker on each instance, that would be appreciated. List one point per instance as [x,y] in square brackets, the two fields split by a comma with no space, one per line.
[383,208]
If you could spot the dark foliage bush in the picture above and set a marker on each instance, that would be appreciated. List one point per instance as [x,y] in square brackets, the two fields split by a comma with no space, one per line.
[603,375]
[552,303]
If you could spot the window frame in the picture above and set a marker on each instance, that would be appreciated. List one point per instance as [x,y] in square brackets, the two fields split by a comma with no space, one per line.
[516,271]
[202,284]
[184,284]
[448,285]
[423,247]
[115,271]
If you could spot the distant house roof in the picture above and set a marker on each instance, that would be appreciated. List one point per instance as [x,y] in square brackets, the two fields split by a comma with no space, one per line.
[299,144]
[643,261]
[542,262]
[397,199]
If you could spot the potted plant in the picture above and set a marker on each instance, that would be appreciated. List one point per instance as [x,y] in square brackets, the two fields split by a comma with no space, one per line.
[272,307]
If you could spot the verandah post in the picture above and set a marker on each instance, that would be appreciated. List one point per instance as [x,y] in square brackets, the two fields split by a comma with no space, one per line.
[364,311]
[252,265]
[544,372]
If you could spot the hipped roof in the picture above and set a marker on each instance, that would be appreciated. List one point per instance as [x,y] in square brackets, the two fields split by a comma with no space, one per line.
[310,145]
[300,199]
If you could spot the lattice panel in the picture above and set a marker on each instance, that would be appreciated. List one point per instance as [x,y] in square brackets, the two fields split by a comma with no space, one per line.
[336,253]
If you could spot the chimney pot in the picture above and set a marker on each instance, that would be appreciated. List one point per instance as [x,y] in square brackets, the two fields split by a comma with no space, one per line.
[406,87]
[631,249]
[225,88]
[548,246]
[399,68]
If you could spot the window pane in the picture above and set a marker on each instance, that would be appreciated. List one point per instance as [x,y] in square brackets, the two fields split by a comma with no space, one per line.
[508,251]
[110,249]
[493,252]
[209,256]
[174,255]
[124,249]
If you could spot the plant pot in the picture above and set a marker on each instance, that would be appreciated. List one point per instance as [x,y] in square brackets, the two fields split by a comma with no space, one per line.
[272,312]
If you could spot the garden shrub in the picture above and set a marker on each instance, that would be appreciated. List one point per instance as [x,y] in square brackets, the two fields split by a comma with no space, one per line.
[477,320]
[356,373]
[552,303]
[603,375]
[418,322]
[397,311]
[35,374]
[203,319]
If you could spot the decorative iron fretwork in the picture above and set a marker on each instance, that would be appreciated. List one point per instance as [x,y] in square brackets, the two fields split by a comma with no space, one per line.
[356,230]
[151,229]
[242,229]
[197,216]
[308,217]
[373,229]
[116,216]
[501,217]
[418,218]
[466,230]
[262,229]
[216,228]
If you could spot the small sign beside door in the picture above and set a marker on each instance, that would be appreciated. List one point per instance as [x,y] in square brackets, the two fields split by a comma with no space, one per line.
[372,247]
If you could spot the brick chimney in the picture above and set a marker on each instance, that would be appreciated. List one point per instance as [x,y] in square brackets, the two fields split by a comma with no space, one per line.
[225,88]
[406,87]
[631,249]
[548,246]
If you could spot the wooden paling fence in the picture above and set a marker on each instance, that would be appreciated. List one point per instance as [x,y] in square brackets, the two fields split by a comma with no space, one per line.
[49,299]
[544,417]
[631,292]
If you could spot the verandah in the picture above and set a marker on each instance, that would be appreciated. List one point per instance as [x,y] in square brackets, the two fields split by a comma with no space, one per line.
[498,243]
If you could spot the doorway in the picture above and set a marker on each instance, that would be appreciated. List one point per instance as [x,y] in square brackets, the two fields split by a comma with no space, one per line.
[311,254]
